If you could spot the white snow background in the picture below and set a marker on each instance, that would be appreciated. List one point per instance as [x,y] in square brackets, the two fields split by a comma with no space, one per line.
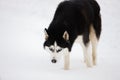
[22,56]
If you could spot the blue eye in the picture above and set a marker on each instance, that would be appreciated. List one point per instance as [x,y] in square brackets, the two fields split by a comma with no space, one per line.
[59,50]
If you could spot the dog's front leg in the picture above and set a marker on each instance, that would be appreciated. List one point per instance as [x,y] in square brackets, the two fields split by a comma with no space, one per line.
[66,61]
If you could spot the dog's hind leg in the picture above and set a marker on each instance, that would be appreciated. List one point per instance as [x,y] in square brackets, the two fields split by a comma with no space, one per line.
[87,55]
[87,49]
[95,31]
[94,42]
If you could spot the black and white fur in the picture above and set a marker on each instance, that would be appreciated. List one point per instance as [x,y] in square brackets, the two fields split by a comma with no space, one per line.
[74,20]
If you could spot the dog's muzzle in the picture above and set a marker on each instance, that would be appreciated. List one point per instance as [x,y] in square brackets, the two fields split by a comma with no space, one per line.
[53,60]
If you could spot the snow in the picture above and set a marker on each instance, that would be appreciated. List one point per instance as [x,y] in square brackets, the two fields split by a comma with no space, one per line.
[22,56]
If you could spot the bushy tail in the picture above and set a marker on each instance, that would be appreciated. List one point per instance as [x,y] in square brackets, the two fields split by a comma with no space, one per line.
[97,18]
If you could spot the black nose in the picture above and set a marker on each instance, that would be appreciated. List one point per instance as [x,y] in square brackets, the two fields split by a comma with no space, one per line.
[53,60]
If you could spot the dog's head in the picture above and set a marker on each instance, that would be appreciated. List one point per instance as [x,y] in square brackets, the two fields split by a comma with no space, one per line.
[57,45]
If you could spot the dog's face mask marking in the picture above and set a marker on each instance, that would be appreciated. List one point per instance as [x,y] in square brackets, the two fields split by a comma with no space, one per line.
[54,49]
[56,52]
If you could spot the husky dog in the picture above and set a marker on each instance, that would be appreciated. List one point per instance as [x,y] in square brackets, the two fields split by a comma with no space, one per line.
[74,20]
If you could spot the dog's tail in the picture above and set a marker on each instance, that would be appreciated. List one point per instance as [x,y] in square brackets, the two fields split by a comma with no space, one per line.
[97,18]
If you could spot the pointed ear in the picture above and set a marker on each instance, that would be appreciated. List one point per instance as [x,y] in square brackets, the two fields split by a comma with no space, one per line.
[46,34]
[66,35]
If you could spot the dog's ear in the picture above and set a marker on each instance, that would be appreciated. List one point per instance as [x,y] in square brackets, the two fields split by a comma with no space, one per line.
[66,36]
[46,34]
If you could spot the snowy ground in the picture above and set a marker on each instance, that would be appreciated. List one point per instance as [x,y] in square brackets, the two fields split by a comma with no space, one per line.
[22,56]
